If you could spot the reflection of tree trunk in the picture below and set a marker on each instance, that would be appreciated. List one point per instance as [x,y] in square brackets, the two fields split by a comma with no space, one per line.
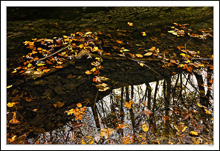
[121,109]
[94,110]
[155,95]
[167,92]
[132,92]
[130,110]
[209,77]
[203,98]
[174,89]
[167,98]
[148,96]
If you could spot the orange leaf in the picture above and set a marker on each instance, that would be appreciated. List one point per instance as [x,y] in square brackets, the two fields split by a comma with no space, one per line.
[120,42]
[79,105]
[58,67]
[46,70]
[128,104]
[48,62]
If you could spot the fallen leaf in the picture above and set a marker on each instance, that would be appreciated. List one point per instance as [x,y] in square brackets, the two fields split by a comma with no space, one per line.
[58,104]
[139,55]
[79,105]
[58,67]
[194,133]
[106,132]
[148,54]
[88,72]
[46,70]
[128,104]
[11,104]
[9,86]
[145,128]
[207,111]
[147,112]
[40,64]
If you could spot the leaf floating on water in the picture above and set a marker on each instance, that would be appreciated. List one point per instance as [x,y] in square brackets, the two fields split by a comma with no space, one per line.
[139,55]
[29,65]
[128,104]
[40,64]
[207,111]
[145,128]
[148,54]
[106,132]
[14,71]
[58,104]
[46,70]
[58,67]
[194,133]
[88,72]
[143,33]
[79,105]
[14,120]
[11,104]
[9,86]
[130,24]
[37,72]
[125,50]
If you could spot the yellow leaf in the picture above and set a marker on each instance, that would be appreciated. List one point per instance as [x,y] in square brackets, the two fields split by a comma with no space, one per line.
[141,64]
[143,33]
[11,104]
[90,140]
[139,55]
[79,105]
[128,104]
[145,128]
[70,112]
[183,54]
[194,133]
[40,64]
[9,86]
[207,111]
[88,72]
[93,69]
[106,132]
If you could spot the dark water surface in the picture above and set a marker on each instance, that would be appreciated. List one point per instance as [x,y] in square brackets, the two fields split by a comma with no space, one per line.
[164,107]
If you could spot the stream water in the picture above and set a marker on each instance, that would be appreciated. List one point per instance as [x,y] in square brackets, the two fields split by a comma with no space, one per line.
[151,104]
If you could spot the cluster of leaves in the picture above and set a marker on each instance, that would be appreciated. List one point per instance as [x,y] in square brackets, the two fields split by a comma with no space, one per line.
[53,53]
[78,112]
[183,30]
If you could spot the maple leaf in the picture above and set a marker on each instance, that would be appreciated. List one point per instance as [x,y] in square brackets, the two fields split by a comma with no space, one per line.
[128,104]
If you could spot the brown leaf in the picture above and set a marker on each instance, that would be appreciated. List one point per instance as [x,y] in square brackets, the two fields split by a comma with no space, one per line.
[147,112]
